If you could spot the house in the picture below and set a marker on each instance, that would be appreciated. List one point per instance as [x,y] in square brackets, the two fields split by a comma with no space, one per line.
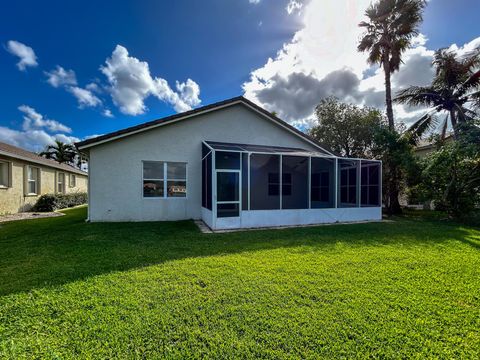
[24,176]
[231,164]
[426,146]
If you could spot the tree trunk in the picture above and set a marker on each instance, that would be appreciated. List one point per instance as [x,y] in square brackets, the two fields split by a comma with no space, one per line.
[388,93]
[453,119]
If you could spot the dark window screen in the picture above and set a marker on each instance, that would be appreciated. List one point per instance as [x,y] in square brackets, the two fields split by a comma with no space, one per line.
[348,183]
[294,182]
[227,160]
[370,183]
[209,181]
[244,181]
[263,167]
[322,183]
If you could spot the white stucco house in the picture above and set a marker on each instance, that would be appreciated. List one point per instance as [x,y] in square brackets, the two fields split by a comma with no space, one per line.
[231,164]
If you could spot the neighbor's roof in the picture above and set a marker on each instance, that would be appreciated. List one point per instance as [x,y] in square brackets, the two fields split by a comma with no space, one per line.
[188,114]
[22,154]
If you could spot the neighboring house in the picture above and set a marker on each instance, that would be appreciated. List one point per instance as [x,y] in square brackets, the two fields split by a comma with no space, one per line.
[24,176]
[232,164]
[426,147]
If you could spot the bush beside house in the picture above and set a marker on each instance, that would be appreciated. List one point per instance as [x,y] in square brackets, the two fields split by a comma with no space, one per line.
[52,202]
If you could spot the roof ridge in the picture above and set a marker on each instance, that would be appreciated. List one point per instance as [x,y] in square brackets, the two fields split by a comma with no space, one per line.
[212,106]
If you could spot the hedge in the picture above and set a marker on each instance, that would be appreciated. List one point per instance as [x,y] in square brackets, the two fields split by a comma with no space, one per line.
[52,202]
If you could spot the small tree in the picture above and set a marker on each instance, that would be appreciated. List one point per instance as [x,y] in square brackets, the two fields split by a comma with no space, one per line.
[345,128]
[399,163]
[450,176]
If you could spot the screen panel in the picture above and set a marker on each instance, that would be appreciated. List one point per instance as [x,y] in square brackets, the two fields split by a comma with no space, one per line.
[262,168]
[322,183]
[294,182]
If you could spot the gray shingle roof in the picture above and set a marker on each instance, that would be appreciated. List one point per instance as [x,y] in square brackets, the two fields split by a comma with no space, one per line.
[19,153]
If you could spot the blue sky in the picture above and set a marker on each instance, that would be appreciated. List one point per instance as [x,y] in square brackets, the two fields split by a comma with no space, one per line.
[213,49]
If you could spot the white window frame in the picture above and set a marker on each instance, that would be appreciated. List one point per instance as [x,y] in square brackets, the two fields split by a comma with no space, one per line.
[28,180]
[72,180]
[8,179]
[165,180]
[58,183]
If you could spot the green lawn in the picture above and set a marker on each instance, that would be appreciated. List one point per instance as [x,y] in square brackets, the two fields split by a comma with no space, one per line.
[401,289]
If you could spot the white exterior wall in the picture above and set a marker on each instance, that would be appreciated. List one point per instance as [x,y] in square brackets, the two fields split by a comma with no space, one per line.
[267,218]
[115,168]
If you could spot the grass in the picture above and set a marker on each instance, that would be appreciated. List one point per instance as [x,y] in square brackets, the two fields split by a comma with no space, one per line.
[402,289]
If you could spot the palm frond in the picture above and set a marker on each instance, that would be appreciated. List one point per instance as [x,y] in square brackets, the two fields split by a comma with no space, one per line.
[421,126]
[443,133]
[418,95]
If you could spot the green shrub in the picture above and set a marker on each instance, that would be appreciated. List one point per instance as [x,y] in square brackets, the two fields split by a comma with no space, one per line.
[51,202]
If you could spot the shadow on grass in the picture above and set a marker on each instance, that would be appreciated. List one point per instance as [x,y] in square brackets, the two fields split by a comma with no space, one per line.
[55,251]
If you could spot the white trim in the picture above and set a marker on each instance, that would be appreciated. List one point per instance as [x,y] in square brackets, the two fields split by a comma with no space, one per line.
[239,101]
[165,180]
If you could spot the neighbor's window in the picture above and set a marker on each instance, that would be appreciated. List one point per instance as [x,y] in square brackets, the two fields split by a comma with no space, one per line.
[4,174]
[73,180]
[164,179]
[33,176]
[60,183]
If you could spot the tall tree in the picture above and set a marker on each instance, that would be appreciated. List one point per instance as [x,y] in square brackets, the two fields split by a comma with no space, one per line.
[454,91]
[389,30]
[345,128]
[60,152]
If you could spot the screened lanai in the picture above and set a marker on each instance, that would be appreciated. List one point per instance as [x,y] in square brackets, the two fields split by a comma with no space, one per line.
[246,185]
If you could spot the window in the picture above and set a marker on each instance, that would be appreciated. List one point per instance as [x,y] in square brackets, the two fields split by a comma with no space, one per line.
[73,180]
[60,183]
[4,174]
[33,179]
[294,182]
[348,183]
[322,183]
[164,179]
[370,183]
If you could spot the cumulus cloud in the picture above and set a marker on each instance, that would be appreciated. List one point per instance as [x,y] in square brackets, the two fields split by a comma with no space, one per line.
[33,140]
[37,131]
[60,77]
[85,97]
[292,6]
[321,60]
[24,53]
[130,83]
[34,120]
[107,113]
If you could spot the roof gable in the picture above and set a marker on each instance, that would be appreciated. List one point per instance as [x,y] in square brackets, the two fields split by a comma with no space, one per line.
[195,112]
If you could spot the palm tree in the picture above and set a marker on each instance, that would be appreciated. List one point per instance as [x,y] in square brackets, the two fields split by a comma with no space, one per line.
[390,28]
[455,90]
[60,152]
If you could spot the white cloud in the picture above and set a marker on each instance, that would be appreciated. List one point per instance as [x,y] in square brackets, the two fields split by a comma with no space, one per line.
[33,120]
[292,6]
[107,113]
[61,77]
[253,1]
[37,131]
[130,83]
[84,97]
[25,53]
[322,59]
